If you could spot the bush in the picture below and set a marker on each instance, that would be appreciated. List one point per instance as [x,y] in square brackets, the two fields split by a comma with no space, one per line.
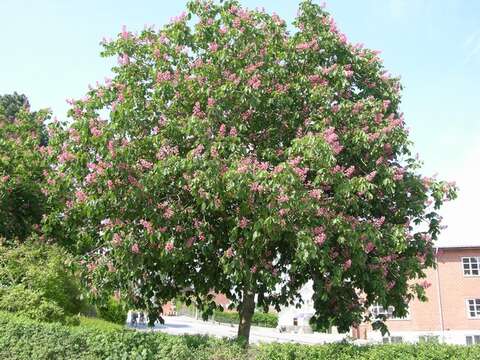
[33,305]
[113,311]
[258,319]
[99,324]
[24,339]
[43,269]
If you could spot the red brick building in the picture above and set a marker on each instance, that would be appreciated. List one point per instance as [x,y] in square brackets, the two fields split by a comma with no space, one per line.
[452,312]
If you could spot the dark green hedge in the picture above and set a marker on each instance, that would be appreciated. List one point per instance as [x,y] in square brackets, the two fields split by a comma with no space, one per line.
[24,339]
[259,318]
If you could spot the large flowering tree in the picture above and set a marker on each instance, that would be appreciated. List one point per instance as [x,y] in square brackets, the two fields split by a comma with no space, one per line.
[229,155]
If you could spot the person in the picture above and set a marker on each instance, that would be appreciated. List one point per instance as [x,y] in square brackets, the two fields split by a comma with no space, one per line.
[134,318]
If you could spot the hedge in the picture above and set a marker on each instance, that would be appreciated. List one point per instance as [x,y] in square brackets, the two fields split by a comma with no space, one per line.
[25,339]
[259,318]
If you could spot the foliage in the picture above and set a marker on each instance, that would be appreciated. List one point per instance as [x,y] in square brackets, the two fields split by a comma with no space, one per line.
[42,269]
[99,324]
[259,318]
[241,158]
[15,103]
[32,304]
[23,339]
[22,163]
[113,311]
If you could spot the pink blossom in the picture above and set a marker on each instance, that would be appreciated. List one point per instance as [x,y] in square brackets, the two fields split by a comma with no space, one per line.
[233,132]
[369,247]
[347,264]
[398,174]
[213,47]
[253,269]
[371,176]
[229,252]
[243,223]
[282,198]
[111,268]
[348,173]
[65,156]
[379,222]
[147,225]
[391,284]
[198,150]
[425,284]
[81,196]
[315,194]
[164,76]
[222,130]
[144,164]
[197,111]
[169,246]
[332,139]
[124,32]
[135,249]
[317,80]
[168,213]
[211,102]
[123,59]
[256,187]
[178,19]
[117,240]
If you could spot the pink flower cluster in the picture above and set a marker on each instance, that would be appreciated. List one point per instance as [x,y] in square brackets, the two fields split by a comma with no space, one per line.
[332,139]
[166,151]
[319,235]
[147,225]
[243,223]
[169,246]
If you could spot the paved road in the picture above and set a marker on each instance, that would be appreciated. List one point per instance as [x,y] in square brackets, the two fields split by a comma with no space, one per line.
[179,325]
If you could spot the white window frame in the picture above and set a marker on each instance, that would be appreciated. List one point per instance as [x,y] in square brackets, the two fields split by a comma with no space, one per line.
[476,304]
[470,270]
[429,339]
[388,313]
[395,339]
[475,339]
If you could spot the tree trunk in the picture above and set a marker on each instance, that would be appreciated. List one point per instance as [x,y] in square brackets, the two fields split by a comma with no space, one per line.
[246,312]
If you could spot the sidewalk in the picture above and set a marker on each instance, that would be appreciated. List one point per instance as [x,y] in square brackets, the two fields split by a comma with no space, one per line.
[179,325]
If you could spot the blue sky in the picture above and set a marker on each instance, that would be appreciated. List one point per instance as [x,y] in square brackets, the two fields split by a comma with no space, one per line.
[50,52]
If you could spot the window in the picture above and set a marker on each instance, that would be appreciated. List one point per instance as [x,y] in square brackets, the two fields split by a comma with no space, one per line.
[471,266]
[473,339]
[473,308]
[378,310]
[392,340]
[428,338]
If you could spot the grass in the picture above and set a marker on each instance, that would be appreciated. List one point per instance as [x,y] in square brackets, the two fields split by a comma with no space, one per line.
[99,324]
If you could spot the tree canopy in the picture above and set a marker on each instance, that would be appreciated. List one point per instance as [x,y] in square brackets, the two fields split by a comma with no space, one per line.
[231,155]
[22,164]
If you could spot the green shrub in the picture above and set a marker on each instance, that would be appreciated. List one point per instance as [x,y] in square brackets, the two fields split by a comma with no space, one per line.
[99,324]
[24,339]
[44,269]
[33,305]
[258,319]
[112,311]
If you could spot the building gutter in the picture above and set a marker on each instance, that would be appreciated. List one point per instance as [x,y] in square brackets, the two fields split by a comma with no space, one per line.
[439,295]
